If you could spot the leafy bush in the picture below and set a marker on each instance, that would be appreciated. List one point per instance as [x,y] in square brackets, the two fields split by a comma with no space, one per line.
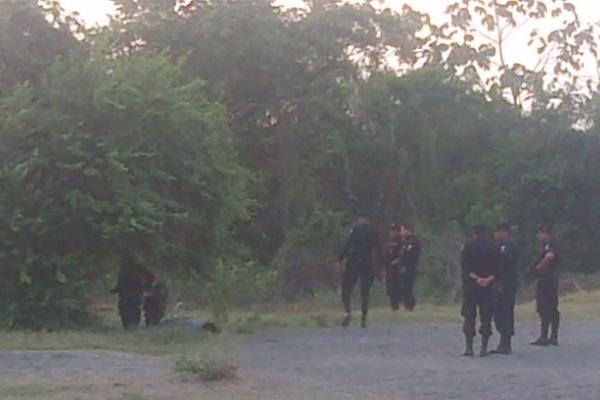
[236,285]
[104,155]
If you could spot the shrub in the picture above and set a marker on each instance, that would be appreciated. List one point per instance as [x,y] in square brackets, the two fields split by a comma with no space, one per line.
[206,368]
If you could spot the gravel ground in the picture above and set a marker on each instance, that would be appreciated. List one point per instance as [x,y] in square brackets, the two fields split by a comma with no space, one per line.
[422,363]
[415,362]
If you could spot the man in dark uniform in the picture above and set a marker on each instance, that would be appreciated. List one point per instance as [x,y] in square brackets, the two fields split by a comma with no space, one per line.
[546,289]
[130,288]
[505,287]
[392,260]
[479,265]
[410,255]
[357,256]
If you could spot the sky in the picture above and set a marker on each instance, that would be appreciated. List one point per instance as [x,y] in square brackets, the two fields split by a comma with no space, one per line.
[96,12]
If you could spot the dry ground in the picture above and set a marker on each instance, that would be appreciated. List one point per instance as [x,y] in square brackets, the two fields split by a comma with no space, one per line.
[415,358]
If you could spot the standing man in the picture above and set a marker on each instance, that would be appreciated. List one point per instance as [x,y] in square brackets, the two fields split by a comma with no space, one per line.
[410,255]
[479,265]
[392,260]
[546,289]
[357,257]
[505,287]
[130,288]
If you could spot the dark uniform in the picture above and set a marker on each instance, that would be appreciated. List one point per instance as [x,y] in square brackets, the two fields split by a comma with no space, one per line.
[546,293]
[505,288]
[410,255]
[358,253]
[480,257]
[392,259]
[155,302]
[133,280]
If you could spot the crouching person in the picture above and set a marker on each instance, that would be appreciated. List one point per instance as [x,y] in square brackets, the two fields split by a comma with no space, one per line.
[155,300]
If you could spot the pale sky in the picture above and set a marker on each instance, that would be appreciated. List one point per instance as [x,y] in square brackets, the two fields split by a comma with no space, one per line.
[96,11]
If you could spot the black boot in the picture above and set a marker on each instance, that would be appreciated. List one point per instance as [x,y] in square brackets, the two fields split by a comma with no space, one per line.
[469,347]
[363,320]
[504,346]
[543,339]
[554,329]
[484,346]
[346,320]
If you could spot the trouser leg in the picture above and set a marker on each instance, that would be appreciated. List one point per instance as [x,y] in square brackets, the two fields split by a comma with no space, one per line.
[130,311]
[547,307]
[504,314]
[554,325]
[348,281]
[469,314]
[510,314]
[408,292]
[485,314]
[366,281]
[392,286]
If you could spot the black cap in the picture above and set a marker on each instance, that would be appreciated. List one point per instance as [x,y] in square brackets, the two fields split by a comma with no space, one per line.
[395,227]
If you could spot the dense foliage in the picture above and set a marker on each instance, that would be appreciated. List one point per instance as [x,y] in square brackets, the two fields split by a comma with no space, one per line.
[205,135]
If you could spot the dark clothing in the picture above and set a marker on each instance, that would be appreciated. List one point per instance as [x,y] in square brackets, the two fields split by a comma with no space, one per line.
[507,265]
[410,255]
[352,274]
[130,310]
[358,253]
[551,270]
[155,303]
[479,257]
[504,311]
[547,284]
[505,288]
[360,246]
[546,297]
[392,260]
[130,288]
[475,300]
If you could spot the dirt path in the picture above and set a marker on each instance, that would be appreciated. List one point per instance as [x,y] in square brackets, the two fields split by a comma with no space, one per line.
[415,362]
[421,363]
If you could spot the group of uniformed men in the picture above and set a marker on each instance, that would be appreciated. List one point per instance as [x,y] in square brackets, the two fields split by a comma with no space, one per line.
[489,279]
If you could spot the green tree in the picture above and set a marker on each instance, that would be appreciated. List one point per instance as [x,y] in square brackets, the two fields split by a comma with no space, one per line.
[105,155]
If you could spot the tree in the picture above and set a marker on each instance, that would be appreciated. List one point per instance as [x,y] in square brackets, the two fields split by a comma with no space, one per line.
[477,40]
[28,42]
[107,155]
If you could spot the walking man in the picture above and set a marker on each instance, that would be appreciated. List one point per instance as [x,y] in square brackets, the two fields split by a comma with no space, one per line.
[505,287]
[392,259]
[410,255]
[546,289]
[357,257]
[479,265]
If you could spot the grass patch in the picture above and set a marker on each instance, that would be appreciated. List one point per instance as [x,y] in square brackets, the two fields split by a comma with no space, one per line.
[31,391]
[323,312]
[256,323]
[155,341]
[206,368]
